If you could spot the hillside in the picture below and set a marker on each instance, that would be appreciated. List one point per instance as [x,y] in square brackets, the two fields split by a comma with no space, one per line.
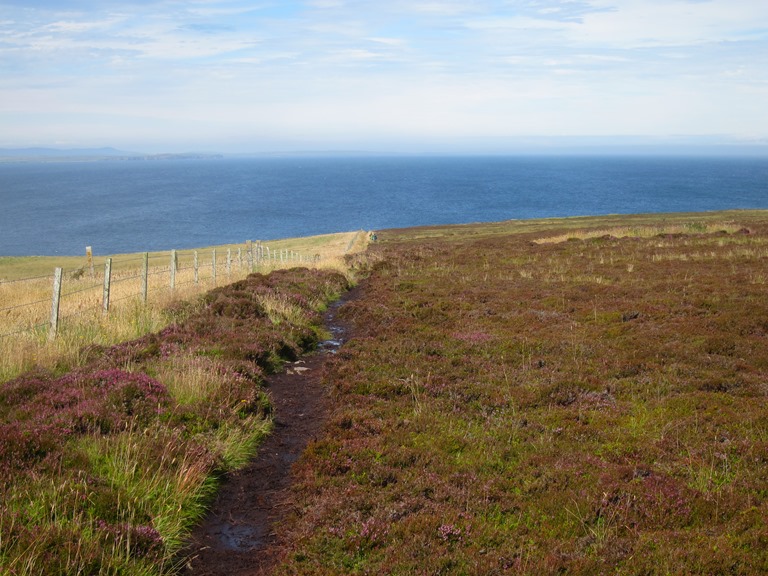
[585,396]
[579,396]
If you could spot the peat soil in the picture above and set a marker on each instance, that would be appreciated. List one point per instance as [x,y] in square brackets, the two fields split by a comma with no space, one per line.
[236,538]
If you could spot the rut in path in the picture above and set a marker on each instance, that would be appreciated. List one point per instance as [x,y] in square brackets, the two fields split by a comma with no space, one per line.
[236,538]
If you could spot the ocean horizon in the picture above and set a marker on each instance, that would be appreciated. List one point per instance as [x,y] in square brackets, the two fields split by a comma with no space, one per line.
[58,208]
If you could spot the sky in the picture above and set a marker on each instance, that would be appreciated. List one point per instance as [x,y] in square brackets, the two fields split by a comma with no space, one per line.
[412,76]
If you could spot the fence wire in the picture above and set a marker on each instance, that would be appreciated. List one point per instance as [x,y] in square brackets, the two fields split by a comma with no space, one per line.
[228,263]
[16,306]
[28,279]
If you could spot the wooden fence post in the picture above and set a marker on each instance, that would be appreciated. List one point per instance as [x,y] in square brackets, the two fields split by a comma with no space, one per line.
[145,278]
[54,328]
[213,266]
[89,259]
[239,258]
[173,269]
[107,281]
[197,268]
[229,262]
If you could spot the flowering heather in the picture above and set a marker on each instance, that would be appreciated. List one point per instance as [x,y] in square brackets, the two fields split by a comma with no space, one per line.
[141,541]
[509,406]
[472,337]
[104,468]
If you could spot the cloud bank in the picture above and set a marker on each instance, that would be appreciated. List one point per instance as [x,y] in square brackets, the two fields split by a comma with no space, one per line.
[362,74]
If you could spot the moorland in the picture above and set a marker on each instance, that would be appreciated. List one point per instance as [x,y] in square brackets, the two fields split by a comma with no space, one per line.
[574,396]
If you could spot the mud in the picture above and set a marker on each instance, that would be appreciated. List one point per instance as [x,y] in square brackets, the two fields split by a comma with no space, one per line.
[236,538]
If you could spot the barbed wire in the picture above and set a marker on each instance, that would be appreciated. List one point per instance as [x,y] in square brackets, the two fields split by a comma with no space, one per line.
[225,268]
[135,295]
[16,280]
[14,307]
[127,278]
[79,290]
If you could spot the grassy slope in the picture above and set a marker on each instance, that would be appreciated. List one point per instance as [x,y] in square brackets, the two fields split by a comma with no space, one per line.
[15,267]
[588,406]
[103,468]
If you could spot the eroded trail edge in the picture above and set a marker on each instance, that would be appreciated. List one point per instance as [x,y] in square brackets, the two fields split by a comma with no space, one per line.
[236,538]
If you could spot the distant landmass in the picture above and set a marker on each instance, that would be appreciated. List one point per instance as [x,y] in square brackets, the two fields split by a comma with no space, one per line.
[90,154]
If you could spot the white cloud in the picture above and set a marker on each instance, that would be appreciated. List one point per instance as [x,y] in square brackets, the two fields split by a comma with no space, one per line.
[646,23]
[442,69]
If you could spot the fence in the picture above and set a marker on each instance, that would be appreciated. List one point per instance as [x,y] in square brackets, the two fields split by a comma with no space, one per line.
[31,306]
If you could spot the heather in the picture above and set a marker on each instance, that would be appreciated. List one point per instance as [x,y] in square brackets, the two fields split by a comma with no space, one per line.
[104,467]
[584,396]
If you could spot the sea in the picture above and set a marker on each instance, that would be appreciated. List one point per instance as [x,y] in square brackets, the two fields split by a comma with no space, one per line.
[120,206]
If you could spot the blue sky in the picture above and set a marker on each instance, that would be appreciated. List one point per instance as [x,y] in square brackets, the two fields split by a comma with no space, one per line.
[388,75]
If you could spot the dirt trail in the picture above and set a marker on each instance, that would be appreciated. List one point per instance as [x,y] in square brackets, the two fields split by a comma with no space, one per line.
[236,538]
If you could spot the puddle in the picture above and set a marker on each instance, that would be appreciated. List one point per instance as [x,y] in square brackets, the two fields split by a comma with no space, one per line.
[332,344]
[241,537]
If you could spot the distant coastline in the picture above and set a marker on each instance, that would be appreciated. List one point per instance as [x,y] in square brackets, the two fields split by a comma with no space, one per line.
[93,155]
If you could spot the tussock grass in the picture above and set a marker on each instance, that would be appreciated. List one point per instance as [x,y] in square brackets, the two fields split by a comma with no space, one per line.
[662,229]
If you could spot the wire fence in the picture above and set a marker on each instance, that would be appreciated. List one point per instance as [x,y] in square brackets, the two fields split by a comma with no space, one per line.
[39,305]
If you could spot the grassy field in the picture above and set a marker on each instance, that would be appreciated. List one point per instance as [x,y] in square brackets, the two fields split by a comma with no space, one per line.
[25,305]
[575,396]
[114,436]
[582,396]
[105,466]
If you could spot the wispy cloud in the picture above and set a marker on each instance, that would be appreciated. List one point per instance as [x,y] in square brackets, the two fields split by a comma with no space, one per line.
[230,70]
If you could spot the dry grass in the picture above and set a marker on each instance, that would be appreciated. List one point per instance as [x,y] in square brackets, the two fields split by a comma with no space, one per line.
[644,231]
[25,306]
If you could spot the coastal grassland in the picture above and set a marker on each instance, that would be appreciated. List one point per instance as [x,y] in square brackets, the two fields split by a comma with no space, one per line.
[25,305]
[512,404]
[105,466]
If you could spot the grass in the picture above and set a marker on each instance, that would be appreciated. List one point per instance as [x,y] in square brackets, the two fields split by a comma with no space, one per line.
[106,465]
[516,406]
[26,305]
[509,404]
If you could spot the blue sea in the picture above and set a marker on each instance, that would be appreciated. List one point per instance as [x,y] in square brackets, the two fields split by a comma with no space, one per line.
[58,208]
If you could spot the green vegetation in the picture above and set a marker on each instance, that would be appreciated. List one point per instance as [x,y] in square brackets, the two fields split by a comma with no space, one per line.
[514,404]
[576,396]
[104,467]
[26,293]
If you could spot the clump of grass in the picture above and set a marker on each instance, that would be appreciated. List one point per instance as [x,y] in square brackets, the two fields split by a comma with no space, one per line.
[662,229]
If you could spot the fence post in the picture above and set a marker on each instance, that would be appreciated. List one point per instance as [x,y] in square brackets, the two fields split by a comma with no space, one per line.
[213,266]
[145,278]
[54,328]
[197,268]
[229,262]
[89,259]
[107,281]
[173,269]
[239,258]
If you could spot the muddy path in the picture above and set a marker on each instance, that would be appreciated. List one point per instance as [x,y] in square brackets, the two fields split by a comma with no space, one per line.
[236,538]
